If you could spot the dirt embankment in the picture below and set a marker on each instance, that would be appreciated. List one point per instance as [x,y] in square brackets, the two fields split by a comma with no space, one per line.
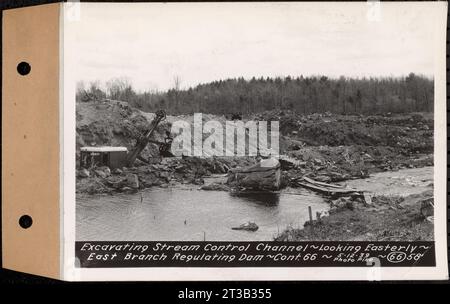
[333,147]
[114,123]
[393,218]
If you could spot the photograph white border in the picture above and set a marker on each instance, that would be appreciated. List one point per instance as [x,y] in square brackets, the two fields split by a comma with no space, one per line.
[68,136]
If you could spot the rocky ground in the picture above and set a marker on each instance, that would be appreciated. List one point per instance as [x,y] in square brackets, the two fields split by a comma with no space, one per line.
[334,147]
[326,147]
[163,173]
[394,218]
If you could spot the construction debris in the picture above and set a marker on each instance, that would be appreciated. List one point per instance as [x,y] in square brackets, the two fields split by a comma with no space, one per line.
[324,188]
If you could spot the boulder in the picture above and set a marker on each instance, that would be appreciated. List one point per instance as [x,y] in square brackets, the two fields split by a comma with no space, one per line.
[165,175]
[102,172]
[264,176]
[132,181]
[117,171]
[249,226]
[83,173]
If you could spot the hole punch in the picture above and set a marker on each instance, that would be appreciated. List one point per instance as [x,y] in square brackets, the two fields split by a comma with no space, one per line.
[25,221]
[24,68]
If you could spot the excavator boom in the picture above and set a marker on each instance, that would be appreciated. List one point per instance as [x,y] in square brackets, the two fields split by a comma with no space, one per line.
[143,141]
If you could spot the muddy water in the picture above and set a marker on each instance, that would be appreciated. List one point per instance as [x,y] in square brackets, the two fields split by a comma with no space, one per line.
[401,182]
[192,215]
[181,214]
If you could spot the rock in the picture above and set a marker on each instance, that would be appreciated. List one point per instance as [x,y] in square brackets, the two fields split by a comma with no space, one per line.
[100,173]
[83,173]
[249,226]
[427,207]
[264,176]
[106,170]
[198,181]
[132,181]
[350,205]
[103,172]
[215,187]
[165,175]
[117,171]
[321,215]
[180,168]
[342,203]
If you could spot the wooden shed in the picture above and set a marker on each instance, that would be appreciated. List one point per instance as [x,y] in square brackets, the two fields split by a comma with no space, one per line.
[113,157]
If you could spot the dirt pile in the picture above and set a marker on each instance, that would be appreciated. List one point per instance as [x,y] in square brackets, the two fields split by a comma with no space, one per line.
[114,123]
[407,133]
[333,147]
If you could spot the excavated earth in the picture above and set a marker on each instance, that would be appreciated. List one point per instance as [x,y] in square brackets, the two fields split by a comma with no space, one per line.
[326,147]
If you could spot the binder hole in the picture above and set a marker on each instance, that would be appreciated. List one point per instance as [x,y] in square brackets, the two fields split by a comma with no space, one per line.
[25,221]
[23,68]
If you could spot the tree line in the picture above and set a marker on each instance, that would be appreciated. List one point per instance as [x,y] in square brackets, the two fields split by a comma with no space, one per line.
[317,94]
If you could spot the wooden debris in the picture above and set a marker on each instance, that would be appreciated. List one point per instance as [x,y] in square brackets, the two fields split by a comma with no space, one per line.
[332,191]
[367,199]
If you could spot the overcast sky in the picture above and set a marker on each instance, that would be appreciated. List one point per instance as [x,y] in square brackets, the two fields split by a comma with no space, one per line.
[152,43]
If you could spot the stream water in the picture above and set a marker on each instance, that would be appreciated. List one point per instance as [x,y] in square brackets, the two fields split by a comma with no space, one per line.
[177,214]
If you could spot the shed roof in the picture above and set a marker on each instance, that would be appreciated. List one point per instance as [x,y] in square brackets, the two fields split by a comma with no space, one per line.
[104,149]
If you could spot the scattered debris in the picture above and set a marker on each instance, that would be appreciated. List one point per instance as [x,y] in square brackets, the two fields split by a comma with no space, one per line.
[324,188]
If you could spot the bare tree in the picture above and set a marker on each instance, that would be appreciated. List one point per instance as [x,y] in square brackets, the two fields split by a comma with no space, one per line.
[117,88]
[176,83]
[176,88]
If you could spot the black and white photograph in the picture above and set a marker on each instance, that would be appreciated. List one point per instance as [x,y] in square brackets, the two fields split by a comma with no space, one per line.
[255,122]
[224,143]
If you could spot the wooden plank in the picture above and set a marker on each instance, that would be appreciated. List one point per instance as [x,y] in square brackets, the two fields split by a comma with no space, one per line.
[328,191]
[367,198]
[309,180]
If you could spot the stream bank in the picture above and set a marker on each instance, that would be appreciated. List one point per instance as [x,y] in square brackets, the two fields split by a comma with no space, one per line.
[401,209]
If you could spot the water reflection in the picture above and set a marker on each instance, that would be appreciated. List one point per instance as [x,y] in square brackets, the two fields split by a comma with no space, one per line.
[176,214]
[265,199]
[181,214]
